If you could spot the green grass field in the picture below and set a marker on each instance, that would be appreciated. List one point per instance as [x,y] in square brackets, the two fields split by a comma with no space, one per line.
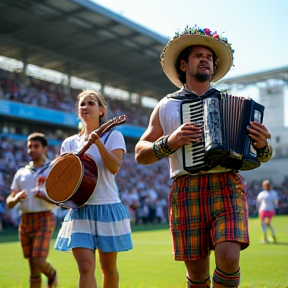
[150,263]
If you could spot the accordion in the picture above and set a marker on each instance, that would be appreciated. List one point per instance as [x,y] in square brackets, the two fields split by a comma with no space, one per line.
[225,141]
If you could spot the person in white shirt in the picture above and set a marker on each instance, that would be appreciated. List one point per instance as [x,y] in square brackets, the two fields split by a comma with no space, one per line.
[267,202]
[37,219]
[103,223]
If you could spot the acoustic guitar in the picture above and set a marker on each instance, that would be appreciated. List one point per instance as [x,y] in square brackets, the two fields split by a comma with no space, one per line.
[73,176]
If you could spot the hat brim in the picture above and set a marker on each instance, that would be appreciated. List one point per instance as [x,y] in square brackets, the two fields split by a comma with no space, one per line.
[222,51]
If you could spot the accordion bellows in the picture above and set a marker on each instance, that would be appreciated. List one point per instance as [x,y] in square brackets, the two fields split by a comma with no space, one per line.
[224,119]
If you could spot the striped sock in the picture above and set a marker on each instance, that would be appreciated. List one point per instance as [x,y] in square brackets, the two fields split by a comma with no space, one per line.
[35,282]
[226,279]
[198,284]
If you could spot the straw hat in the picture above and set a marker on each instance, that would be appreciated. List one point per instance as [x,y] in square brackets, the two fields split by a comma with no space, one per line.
[196,36]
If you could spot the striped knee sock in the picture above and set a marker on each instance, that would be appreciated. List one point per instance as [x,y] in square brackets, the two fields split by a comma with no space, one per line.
[198,284]
[222,279]
[35,282]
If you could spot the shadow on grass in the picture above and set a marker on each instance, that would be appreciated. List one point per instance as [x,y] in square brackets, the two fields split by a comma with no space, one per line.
[276,244]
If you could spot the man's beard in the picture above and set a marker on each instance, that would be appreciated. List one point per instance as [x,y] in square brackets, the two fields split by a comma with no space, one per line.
[202,77]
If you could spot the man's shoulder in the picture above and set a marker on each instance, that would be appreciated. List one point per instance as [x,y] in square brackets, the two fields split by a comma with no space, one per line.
[172,95]
[23,169]
[177,93]
[261,193]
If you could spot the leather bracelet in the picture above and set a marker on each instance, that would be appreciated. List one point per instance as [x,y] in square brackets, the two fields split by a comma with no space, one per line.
[265,153]
[161,149]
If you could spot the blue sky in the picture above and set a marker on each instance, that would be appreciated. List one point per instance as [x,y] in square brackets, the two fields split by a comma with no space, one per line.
[257,29]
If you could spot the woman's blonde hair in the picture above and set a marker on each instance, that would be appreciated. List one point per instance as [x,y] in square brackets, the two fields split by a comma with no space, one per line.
[100,100]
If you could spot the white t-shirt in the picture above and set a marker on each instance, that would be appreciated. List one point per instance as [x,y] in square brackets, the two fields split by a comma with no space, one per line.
[267,200]
[106,190]
[26,179]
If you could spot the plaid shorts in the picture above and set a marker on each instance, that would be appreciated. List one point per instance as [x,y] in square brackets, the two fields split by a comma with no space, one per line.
[205,210]
[35,231]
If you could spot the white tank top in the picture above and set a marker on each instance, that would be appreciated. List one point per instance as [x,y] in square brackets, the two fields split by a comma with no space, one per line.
[169,116]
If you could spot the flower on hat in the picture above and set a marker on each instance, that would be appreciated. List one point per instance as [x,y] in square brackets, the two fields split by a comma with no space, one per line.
[198,31]
[215,41]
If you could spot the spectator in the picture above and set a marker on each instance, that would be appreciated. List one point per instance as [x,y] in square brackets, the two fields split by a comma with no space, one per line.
[37,219]
[267,202]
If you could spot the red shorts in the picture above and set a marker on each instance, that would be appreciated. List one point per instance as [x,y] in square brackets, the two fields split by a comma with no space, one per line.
[206,210]
[266,214]
[35,231]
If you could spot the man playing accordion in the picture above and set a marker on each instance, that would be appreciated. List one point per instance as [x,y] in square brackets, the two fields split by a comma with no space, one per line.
[207,208]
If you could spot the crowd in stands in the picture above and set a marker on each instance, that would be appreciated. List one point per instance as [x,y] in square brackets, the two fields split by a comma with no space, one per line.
[143,189]
[17,87]
[24,89]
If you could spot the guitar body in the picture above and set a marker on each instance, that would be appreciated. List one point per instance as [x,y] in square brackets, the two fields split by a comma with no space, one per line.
[73,177]
[72,180]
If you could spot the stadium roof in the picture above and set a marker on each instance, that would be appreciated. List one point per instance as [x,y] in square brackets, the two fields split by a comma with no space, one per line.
[83,39]
[273,74]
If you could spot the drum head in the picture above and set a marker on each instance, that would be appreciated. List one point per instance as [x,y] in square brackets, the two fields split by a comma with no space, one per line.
[64,178]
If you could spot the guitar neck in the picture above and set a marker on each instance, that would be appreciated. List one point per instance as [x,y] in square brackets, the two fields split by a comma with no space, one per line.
[101,130]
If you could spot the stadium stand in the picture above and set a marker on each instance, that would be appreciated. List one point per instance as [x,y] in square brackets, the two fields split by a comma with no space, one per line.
[146,191]
[114,52]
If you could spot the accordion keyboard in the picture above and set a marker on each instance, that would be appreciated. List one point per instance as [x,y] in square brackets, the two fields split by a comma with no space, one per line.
[194,152]
[225,139]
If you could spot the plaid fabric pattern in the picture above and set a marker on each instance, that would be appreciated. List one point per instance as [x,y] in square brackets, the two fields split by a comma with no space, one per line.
[205,210]
[36,230]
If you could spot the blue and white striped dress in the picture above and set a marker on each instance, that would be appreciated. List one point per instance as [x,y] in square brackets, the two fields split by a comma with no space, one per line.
[103,223]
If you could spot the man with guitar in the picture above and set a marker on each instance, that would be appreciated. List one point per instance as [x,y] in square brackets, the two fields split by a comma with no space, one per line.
[37,219]
[103,222]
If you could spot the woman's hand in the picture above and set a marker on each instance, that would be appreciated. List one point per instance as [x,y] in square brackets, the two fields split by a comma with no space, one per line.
[93,137]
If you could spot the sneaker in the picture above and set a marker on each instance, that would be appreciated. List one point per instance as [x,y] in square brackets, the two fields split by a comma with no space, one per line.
[52,282]
[274,239]
[263,241]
